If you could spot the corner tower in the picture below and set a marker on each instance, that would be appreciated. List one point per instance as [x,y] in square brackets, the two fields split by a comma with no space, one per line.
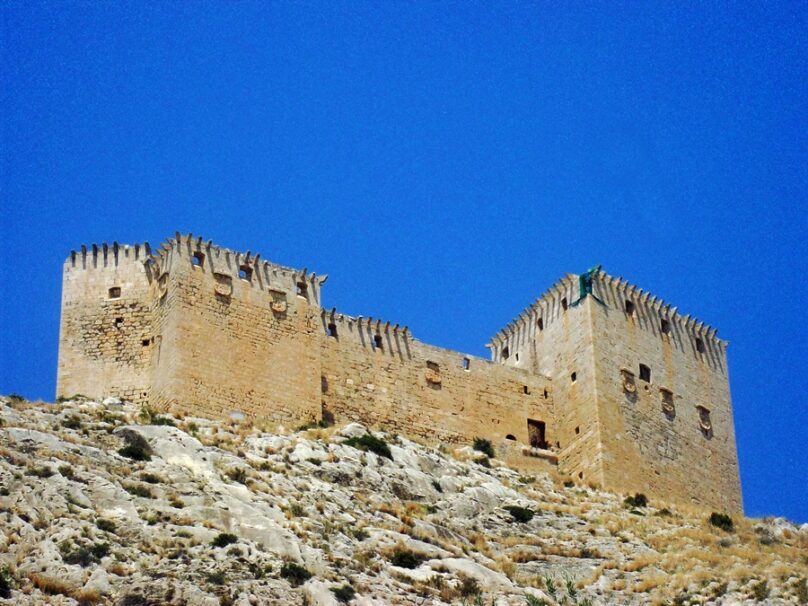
[641,393]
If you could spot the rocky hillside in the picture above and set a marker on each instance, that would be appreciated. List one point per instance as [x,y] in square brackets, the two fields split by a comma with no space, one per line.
[103,503]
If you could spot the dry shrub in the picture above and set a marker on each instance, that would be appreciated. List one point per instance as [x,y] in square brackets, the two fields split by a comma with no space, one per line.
[86,597]
[640,562]
[650,583]
[50,585]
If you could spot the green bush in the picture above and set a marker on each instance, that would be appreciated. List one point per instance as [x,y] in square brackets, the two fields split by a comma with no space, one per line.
[100,550]
[224,539]
[404,558]
[722,521]
[105,525]
[760,590]
[294,573]
[531,600]
[217,578]
[344,594]
[638,500]
[520,514]
[67,471]
[151,478]
[136,453]
[369,442]
[484,446]
[5,583]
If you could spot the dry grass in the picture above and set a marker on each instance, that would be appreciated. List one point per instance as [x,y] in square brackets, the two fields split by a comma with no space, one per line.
[50,585]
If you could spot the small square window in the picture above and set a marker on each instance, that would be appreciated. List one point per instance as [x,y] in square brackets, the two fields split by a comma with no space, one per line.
[665,326]
[145,342]
[630,307]
[699,345]
[377,342]
[645,373]
[198,259]
[245,273]
[466,363]
[118,323]
[115,292]
[332,330]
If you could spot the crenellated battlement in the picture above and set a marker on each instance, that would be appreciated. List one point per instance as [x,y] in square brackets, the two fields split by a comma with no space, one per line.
[597,377]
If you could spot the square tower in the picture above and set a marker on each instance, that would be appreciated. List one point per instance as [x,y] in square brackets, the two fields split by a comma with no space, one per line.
[641,393]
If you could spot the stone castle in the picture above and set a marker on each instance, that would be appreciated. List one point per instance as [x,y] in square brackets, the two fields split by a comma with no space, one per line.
[604,381]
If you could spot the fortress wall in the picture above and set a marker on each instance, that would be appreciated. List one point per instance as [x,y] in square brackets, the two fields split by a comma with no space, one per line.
[647,450]
[414,388]
[104,337]
[234,345]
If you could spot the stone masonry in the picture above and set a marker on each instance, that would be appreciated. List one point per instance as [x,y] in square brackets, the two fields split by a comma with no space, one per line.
[597,377]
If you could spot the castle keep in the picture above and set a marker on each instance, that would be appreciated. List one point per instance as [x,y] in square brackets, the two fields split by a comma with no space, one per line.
[603,380]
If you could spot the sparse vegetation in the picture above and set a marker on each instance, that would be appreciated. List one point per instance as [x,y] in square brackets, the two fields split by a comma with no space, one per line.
[105,525]
[135,452]
[406,558]
[344,594]
[722,521]
[224,539]
[371,443]
[520,514]
[5,583]
[294,573]
[72,422]
[138,490]
[638,500]
[484,446]
[40,472]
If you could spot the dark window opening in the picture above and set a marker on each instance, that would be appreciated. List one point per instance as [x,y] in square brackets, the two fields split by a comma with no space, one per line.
[580,475]
[665,326]
[574,377]
[535,433]
[630,307]
[645,373]
[145,342]
[564,303]
[517,356]
[546,394]
[245,272]
[525,389]
[577,430]
[433,366]
[705,423]
[302,290]
[377,342]
[541,323]
[115,292]
[510,436]
[466,363]
[699,345]
[332,330]
[118,322]
[323,384]
[197,259]
[505,353]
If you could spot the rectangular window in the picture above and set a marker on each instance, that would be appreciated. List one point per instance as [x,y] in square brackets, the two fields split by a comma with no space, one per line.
[332,330]
[630,307]
[433,366]
[526,390]
[466,363]
[377,342]
[699,345]
[505,353]
[541,323]
[245,273]
[564,303]
[198,259]
[645,373]
[665,326]
[115,292]
[302,290]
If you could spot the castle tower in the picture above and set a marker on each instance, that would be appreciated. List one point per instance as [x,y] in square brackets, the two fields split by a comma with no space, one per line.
[641,393]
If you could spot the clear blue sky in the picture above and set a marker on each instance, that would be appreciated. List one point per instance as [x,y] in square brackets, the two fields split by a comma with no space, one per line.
[443,162]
